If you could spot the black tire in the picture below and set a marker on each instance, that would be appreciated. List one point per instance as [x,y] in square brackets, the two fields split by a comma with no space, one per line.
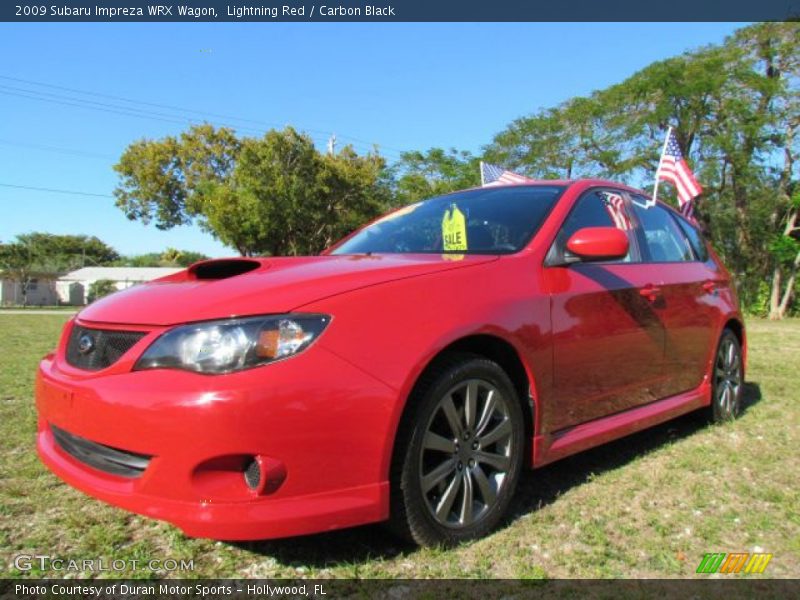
[727,379]
[483,467]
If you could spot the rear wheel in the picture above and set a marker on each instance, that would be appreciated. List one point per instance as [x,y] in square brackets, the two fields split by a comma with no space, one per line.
[459,453]
[728,379]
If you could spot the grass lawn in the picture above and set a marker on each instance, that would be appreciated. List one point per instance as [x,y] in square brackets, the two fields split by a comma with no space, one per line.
[649,505]
[32,307]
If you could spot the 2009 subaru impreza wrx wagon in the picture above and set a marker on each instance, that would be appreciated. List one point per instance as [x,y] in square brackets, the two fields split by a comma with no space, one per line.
[406,375]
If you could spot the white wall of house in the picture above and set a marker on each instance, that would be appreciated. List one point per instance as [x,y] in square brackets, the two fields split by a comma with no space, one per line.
[41,292]
[73,288]
[77,292]
[71,292]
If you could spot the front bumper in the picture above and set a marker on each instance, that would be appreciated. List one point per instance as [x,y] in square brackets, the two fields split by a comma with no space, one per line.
[324,425]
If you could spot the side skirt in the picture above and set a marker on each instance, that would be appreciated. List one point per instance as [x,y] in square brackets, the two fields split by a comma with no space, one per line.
[550,447]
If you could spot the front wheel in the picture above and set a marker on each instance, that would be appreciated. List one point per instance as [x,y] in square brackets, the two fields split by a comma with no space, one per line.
[728,379]
[459,453]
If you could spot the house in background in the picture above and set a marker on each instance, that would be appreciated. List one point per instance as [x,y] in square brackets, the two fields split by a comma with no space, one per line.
[41,291]
[73,288]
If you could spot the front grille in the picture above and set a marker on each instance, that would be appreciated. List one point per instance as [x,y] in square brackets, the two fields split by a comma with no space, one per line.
[95,349]
[104,458]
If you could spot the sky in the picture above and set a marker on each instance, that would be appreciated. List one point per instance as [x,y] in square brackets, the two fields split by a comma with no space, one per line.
[66,115]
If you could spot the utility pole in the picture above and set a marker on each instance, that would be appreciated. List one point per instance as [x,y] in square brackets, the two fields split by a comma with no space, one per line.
[332,144]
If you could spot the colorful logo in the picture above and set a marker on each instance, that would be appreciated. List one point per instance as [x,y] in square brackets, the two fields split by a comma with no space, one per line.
[735,562]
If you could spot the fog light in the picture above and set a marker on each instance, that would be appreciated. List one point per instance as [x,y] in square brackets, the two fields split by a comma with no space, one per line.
[238,476]
[252,474]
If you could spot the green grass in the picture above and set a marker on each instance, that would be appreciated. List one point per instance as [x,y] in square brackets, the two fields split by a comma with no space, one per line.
[32,307]
[647,506]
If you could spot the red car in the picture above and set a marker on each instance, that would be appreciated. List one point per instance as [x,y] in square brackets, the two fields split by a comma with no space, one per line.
[408,374]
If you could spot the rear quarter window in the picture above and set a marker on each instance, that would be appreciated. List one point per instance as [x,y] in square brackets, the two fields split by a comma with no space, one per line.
[696,238]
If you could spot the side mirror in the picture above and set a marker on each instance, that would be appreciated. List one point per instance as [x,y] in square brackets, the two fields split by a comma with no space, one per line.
[598,243]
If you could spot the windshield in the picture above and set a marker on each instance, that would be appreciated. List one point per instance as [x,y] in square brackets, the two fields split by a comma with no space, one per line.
[482,221]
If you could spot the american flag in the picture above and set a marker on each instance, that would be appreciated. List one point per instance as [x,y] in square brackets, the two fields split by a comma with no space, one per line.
[494,175]
[616,210]
[673,168]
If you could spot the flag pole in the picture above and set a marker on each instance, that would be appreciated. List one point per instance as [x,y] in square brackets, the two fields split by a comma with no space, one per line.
[658,169]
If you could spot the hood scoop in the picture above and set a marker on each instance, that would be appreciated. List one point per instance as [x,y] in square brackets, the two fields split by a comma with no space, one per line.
[222,268]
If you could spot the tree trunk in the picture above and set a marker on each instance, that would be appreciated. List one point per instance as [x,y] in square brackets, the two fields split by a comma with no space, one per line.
[25,282]
[789,290]
[775,296]
[781,293]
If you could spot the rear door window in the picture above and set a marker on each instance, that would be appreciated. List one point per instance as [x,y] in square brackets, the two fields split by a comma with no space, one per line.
[664,239]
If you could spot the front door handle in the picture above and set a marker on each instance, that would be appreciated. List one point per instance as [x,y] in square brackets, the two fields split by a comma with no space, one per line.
[651,292]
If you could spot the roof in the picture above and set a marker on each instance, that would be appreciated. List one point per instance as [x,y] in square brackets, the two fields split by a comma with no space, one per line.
[119,273]
[585,182]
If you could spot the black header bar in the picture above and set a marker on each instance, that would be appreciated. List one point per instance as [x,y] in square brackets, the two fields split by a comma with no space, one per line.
[380,11]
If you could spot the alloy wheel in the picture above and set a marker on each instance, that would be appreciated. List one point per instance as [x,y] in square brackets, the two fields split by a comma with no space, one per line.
[466,453]
[728,379]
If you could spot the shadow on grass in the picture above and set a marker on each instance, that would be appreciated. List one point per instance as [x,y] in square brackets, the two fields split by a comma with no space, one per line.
[354,546]
[752,394]
[537,489]
[543,486]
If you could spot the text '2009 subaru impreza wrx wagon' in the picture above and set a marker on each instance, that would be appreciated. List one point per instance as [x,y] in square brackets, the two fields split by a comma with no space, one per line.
[406,375]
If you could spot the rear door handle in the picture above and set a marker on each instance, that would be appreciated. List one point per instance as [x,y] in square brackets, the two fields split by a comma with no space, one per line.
[710,287]
[651,292]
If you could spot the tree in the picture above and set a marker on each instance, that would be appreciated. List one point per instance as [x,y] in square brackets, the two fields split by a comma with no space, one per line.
[100,288]
[736,111]
[150,259]
[45,254]
[66,252]
[160,179]
[735,108]
[171,257]
[273,195]
[18,263]
[434,172]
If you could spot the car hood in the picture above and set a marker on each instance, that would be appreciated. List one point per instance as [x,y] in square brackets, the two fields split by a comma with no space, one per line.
[240,287]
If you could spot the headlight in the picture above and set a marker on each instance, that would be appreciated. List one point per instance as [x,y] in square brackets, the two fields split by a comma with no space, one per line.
[232,344]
